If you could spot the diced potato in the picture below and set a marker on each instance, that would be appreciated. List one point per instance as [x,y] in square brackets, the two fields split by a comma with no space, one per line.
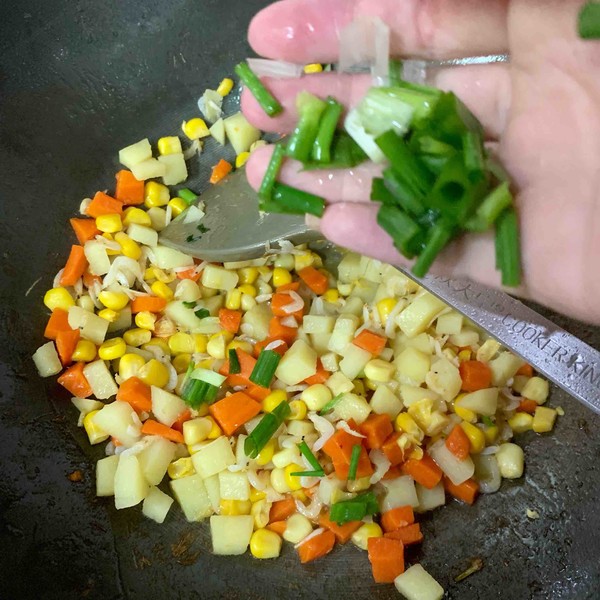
[503,367]
[240,133]
[231,534]
[412,366]
[175,168]
[354,361]
[166,407]
[400,491]
[196,430]
[217,131]
[184,316]
[458,471]
[422,342]
[214,491]
[100,379]
[105,475]
[148,169]
[328,486]
[234,486]
[131,486]
[156,505]
[411,394]
[318,324]
[319,341]
[258,318]
[372,269]
[158,217]
[343,332]
[85,406]
[192,496]
[417,584]
[543,419]
[430,498]
[330,362]
[298,363]
[352,406]
[300,428]
[428,416]
[119,420]
[168,258]
[364,289]
[338,383]
[385,402]
[482,402]
[143,235]
[97,257]
[188,291]
[449,323]
[350,268]
[91,326]
[444,379]
[415,318]
[122,322]
[511,460]
[467,337]
[536,389]
[488,350]
[214,457]
[519,383]
[218,278]
[353,306]
[155,459]
[136,153]
[46,360]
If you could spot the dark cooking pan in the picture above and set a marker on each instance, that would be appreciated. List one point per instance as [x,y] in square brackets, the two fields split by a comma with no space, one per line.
[78,81]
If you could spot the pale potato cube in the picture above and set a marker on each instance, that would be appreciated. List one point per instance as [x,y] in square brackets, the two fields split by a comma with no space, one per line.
[467,337]
[231,534]
[318,324]
[240,133]
[258,319]
[350,268]
[175,168]
[214,491]
[352,406]
[449,323]
[105,475]
[430,498]
[218,278]
[131,486]
[412,366]
[120,421]
[338,383]
[46,360]
[482,402]
[354,361]
[214,457]
[143,235]
[135,153]
[385,402]
[196,430]
[417,584]
[169,258]
[298,363]
[166,407]
[503,367]
[192,496]
[97,257]
[444,379]
[343,332]
[100,379]
[400,491]
[411,394]
[217,131]
[536,389]
[415,318]
[234,486]
[91,326]
[156,505]
[148,169]
[155,458]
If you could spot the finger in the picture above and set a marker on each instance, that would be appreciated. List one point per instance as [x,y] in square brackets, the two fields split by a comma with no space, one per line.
[351,185]
[485,89]
[306,31]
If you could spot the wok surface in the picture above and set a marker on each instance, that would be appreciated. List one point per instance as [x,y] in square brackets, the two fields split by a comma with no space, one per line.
[78,81]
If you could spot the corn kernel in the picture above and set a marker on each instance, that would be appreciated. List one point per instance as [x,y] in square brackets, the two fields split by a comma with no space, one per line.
[293,482]
[94,433]
[160,343]
[298,410]
[178,205]
[182,467]
[169,145]
[130,364]
[491,433]
[156,194]
[297,528]
[58,298]
[364,532]
[217,343]
[164,277]
[216,431]
[265,544]
[113,348]
[475,435]
[154,373]
[404,422]
[510,460]
[358,387]
[464,355]
[256,495]
[149,274]
[241,159]
[129,248]
[300,495]
[207,363]
[303,260]
[543,419]
[200,342]
[136,215]
[109,223]
[266,454]
[85,351]
[260,512]
[113,300]
[195,128]
[248,289]
[464,413]
[225,87]
[235,507]
[521,422]
[316,396]
[248,275]
[385,307]
[331,295]
[145,320]
[137,337]
[162,290]
[359,485]
[241,345]
[273,400]
[181,342]
[108,314]
[379,370]
[313,68]
[181,362]
[278,481]
[281,277]
[233,299]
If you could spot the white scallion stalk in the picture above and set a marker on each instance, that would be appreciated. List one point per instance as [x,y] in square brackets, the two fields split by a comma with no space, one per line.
[382,465]
[277,69]
[487,473]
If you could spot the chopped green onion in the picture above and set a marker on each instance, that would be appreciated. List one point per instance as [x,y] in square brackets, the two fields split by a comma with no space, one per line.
[266,187]
[474,155]
[195,392]
[310,457]
[207,375]
[265,367]
[405,233]
[319,473]
[507,235]
[395,68]
[234,363]
[265,429]
[355,509]
[264,98]
[187,195]
[490,209]
[588,24]
[300,143]
[289,200]
[345,153]
[202,313]
[331,404]
[321,150]
[189,304]
[406,196]
[450,120]
[354,458]
[380,193]
[487,421]
[439,237]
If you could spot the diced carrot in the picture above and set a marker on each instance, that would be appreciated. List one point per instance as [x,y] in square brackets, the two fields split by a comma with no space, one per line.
[233,411]
[377,428]
[369,341]
[279,300]
[458,443]
[467,491]
[230,319]
[397,517]
[278,527]
[526,370]
[257,392]
[411,534]
[342,532]
[66,341]
[76,265]
[186,415]
[339,448]
[527,406]
[316,546]
[315,280]
[75,382]
[293,286]
[391,449]
[152,304]
[220,171]
[136,393]
[282,509]
[85,229]
[129,190]
[89,280]
[386,556]
[190,273]
[115,441]
[152,427]
[247,363]
[278,331]
[475,375]
[424,471]
[281,349]
[321,376]
[392,473]
[58,321]
[103,204]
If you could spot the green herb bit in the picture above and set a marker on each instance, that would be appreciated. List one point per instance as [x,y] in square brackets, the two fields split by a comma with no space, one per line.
[264,98]
[265,429]
[190,304]
[588,22]
[508,249]
[300,143]
[265,367]
[187,195]
[319,473]
[202,313]
[289,200]
[331,404]
[354,458]
[321,150]
[403,230]
[234,363]
[310,457]
[266,187]
[439,237]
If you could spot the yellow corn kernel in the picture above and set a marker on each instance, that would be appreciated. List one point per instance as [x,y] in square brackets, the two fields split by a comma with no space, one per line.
[266,454]
[169,145]
[145,320]
[379,370]
[415,454]
[195,128]
[331,295]
[521,422]
[137,337]
[164,277]
[181,362]
[258,144]
[162,290]
[154,373]
[58,298]
[260,512]
[178,205]
[464,413]
[200,341]
[94,433]
[113,300]
[359,387]
[248,289]
[293,482]
[543,419]
[300,495]
[281,277]
[156,194]
[233,299]
[404,422]
[182,467]
[364,532]
[235,507]
[216,431]
[241,159]
[475,435]
[303,260]
[130,364]
[136,215]
[313,68]
[129,248]
[273,400]
[85,351]
[217,343]
[109,223]
[225,87]
[464,355]
[160,342]
[207,363]
[181,342]
[113,348]
[265,544]
[491,433]
[241,345]
[256,495]
[108,314]
[385,307]
[316,396]
[248,275]
[298,410]
[149,274]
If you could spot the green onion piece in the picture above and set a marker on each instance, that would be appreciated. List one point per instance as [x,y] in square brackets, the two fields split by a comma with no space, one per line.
[265,367]
[321,150]
[496,169]
[266,187]
[422,98]
[487,421]
[196,392]
[395,69]
[473,155]
[289,200]
[405,233]
[490,209]
[354,457]
[310,457]
[588,24]
[319,473]
[331,404]
[234,363]
[380,193]
[265,429]
[189,304]
[264,98]
[187,195]
[355,509]
[408,198]
[507,234]
[300,143]
[208,375]
[345,153]
[202,313]
[439,237]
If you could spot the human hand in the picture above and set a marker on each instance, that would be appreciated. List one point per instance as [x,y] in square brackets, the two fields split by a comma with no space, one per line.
[543,109]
